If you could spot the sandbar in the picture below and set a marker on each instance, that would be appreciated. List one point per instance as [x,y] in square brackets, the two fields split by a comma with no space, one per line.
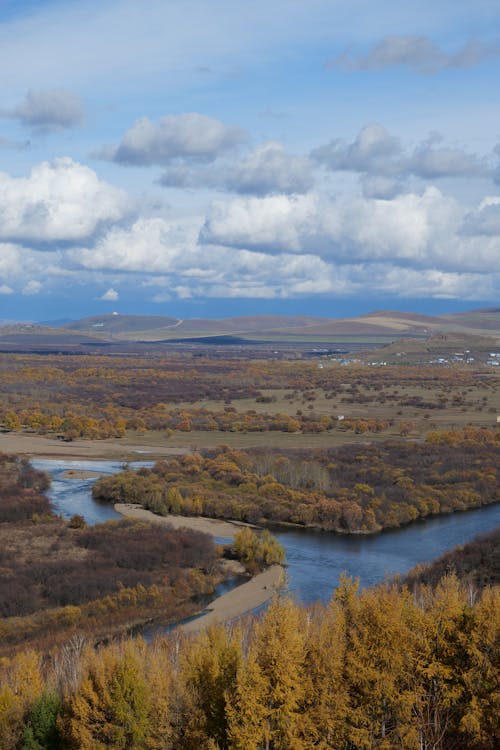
[80,474]
[212,526]
[239,601]
[242,599]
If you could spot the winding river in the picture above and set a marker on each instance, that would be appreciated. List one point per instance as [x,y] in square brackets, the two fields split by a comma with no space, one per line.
[315,560]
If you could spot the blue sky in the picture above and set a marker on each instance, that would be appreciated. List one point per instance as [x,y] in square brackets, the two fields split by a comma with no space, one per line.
[207,159]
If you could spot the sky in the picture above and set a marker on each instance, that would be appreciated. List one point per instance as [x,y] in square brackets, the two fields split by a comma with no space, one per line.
[208,159]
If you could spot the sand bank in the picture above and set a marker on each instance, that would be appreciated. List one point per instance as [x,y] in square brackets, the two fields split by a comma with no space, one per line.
[239,601]
[80,474]
[210,526]
[235,603]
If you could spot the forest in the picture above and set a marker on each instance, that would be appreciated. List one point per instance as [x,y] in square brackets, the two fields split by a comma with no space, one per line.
[409,665]
[382,668]
[350,489]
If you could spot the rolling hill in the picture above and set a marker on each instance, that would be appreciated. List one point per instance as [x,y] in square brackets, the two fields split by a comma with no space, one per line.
[115,331]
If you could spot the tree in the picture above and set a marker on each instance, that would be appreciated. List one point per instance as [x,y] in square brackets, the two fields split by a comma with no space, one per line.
[41,732]
[111,706]
[209,671]
[265,709]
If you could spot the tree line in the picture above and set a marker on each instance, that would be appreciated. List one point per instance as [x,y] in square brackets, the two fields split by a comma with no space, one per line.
[384,668]
[350,489]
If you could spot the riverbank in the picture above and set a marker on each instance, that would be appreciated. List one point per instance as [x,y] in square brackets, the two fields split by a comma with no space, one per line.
[235,603]
[238,602]
[212,526]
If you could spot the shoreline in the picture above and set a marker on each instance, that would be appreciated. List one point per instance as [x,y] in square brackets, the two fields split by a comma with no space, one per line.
[239,601]
[233,604]
[112,449]
[212,526]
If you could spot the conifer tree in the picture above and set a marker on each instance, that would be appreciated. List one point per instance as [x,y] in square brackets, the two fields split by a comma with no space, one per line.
[326,701]
[264,713]
[209,673]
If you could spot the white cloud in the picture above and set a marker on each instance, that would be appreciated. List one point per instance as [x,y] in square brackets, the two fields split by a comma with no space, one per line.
[265,170]
[59,201]
[190,136]
[275,223]
[10,260]
[32,287]
[148,246]
[48,109]
[4,289]
[377,153]
[412,230]
[111,295]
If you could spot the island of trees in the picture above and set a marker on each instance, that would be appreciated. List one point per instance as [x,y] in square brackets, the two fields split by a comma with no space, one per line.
[350,489]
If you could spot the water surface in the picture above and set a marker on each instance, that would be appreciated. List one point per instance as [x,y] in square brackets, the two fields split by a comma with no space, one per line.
[315,560]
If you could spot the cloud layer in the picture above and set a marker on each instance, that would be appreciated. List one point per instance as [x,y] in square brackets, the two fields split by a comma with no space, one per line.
[63,222]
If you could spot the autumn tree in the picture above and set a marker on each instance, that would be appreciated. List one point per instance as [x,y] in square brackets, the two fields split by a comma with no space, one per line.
[265,710]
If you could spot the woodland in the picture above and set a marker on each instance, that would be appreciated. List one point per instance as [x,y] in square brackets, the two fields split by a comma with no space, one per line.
[99,397]
[350,489]
[382,668]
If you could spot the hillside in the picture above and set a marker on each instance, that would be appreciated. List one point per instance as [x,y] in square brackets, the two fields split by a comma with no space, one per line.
[375,329]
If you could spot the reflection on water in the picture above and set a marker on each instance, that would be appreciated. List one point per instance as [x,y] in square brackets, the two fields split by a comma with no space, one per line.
[315,560]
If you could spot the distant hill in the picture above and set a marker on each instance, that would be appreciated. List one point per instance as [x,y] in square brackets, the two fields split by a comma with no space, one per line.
[374,329]
[117,325]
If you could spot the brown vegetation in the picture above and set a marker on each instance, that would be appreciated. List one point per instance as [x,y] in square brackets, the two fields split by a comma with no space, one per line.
[59,576]
[350,489]
[476,564]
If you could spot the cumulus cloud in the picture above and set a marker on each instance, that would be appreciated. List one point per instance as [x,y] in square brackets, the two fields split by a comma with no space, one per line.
[150,245]
[411,230]
[62,201]
[4,289]
[32,287]
[265,170]
[419,54]
[274,223]
[430,162]
[269,169]
[485,220]
[376,152]
[411,243]
[48,109]
[373,150]
[111,295]
[191,136]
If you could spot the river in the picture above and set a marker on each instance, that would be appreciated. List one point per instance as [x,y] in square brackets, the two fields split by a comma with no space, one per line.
[315,560]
